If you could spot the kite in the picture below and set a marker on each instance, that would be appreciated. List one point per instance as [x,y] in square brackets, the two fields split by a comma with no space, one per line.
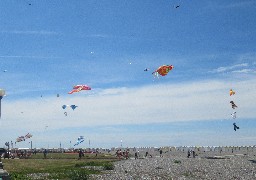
[235,126]
[79,88]
[233,115]
[177,6]
[28,135]
[80,139]
[64,106]
[73,107]
[146,69]
[233,104]
[21,138]
[231,92]
[163,70]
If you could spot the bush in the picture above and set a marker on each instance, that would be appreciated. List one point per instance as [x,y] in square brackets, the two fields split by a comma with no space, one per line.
[78,175]
[177,161]
[108,166]
[105,165]
[17,176]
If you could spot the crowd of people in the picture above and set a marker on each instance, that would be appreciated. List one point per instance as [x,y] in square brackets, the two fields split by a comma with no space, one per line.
[124,154]
[191,153]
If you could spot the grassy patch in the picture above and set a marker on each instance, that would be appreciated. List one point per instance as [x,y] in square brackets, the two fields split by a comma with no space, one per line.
[71,156]
[107,165]
[177,161]
[58,167]
[188,174]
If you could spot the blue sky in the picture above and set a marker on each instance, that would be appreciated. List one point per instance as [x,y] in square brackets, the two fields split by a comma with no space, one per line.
[49,46]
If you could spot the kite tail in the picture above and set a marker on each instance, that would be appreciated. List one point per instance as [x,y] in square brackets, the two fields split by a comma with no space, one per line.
[71,92]
[74,90]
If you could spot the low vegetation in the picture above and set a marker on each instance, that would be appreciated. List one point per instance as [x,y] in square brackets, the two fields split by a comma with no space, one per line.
[58,166]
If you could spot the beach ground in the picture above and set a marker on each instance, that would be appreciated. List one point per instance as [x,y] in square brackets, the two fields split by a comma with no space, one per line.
[176,165]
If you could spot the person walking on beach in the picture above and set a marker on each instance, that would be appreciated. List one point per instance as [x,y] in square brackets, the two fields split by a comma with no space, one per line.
[193,154]
[119,154]
[126,154]
[146,155]
[136,155]
[188,154]
[161,153]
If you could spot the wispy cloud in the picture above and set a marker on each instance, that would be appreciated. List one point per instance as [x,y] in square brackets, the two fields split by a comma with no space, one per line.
[229,68]
[97,36]
[108,108]
[245,64]
[34,57]
[149,104]
[244,71]
[240,4]
[41,32]
[232,5]
[247,57]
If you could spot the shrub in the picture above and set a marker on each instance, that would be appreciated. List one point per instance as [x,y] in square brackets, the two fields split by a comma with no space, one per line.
[177,161]
[78,175]
[109,166]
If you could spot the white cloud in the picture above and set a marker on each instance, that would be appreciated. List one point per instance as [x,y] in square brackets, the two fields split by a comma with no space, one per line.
[241,4]
[41,32]
[232,5]
[191,101]
[34,57]
[155,103]
[244,71]
[229,68]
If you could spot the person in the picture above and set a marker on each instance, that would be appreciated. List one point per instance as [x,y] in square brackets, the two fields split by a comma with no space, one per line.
[146,155]
[136,155]
[126,154]
[25,153]
[80,154]
[194,154]
[45,153]
[161,153]
[119,154]
[188,154]
[34,152]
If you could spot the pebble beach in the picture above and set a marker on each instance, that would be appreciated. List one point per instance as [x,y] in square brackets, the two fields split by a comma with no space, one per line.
[176,165]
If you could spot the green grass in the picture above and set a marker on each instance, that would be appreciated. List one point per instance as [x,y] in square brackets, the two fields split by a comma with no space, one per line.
[57,166]
[177,161]
[107,165]
[71,156]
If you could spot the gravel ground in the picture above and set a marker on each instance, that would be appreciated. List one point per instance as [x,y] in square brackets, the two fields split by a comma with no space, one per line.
[178,166]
